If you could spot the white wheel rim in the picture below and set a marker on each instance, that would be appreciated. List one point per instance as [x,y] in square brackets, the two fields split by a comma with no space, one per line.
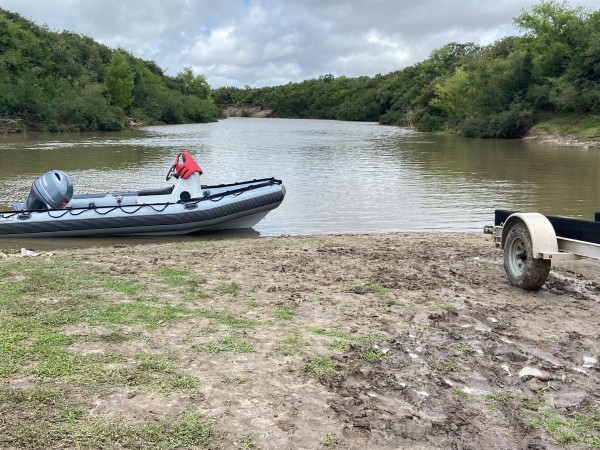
[517,257]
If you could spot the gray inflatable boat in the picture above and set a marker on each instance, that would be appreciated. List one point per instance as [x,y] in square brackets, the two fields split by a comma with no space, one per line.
[185,207]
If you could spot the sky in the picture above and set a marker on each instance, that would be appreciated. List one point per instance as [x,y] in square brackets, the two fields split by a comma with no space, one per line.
[272,42]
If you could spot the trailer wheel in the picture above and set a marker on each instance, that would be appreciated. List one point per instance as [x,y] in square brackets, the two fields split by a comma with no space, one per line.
[522,269]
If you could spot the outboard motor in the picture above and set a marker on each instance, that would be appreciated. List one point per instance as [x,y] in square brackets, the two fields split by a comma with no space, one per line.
[52,190]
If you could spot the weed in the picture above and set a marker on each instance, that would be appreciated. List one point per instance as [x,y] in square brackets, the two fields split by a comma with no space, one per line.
[579,428]
[228,288]
[235,379]
[247,443]
[190,430]
[443,306]
[285,314]
[463,348]
[345,335]
[331,441]
[293,345]
[226,344]
[340,345]
[124,285]
[506,397]
[226,318]
[444,365]
[373,355]
[488,266]
[324,368]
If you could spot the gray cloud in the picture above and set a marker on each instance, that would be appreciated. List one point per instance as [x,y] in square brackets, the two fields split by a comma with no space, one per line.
[269,42]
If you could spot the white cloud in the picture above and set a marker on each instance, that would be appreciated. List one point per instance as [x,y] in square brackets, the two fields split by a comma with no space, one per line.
[267,42]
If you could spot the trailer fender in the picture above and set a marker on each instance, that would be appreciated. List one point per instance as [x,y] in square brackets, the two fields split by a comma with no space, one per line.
[541,232]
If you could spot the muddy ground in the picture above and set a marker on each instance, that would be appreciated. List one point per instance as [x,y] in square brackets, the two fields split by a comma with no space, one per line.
[384,341]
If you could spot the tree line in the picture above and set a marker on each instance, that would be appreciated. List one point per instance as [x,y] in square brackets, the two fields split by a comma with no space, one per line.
[53,81]
[497,91]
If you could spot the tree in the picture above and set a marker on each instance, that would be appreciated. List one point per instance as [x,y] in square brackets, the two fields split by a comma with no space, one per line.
[119,80]
[188,84]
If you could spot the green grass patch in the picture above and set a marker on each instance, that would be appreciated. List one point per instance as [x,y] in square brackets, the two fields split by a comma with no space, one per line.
[345,335]
[190,430]
[325,369]
[226,344]
[124,285]
[507,397]
[235,379]
[331,441]
[293,345]
[444,365]
[584,126]
[247,443]
[448,307]
[180,278]
[464,348]
[285,314]
[339,345]
[226,318]
[373,355]
[228,288]
[578,428]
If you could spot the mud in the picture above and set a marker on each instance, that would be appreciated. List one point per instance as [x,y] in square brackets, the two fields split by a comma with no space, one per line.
[432,348]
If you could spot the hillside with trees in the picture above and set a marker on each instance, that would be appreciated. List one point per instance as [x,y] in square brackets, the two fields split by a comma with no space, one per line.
[551,72]
[53,81]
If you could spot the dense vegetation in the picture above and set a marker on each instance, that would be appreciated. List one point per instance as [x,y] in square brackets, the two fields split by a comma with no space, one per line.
[495,91]
[66,82]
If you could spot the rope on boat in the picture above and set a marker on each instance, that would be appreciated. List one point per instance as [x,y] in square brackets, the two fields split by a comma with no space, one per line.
[104,210]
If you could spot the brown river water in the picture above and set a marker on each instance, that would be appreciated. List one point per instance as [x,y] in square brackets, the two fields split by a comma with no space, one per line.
[341,177]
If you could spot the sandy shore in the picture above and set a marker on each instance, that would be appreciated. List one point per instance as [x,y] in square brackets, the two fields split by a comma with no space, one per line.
[379,341]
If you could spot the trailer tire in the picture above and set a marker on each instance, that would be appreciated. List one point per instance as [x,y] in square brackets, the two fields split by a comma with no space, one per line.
[522,269]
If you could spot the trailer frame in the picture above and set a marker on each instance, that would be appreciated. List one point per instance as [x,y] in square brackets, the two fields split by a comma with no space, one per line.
[531,241]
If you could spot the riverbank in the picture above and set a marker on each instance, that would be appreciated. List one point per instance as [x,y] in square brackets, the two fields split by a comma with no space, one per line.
[357,341]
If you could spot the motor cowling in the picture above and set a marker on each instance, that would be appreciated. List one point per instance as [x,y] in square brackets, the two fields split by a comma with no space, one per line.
[52,190]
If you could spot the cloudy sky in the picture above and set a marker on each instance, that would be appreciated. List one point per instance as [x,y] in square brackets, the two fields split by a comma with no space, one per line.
[272,42]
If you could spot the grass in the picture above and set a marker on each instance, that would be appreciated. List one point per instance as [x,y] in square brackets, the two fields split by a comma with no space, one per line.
[448,307]
[582,126]
[464,348]
[331,441]
[373,355]
[178,277]
[189,430]
[444,365]
[345,335]
[229,343]
[285,314]
[325,369]
[577,428]
[228,288]
[293,345]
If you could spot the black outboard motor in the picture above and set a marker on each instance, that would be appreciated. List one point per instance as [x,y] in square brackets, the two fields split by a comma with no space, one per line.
[52,190]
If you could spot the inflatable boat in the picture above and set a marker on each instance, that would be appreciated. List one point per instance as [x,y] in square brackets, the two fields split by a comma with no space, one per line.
[187,206]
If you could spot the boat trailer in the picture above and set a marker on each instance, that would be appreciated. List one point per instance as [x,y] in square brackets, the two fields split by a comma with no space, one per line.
[531,241]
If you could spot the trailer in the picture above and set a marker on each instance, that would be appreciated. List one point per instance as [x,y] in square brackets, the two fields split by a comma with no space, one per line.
[531,241]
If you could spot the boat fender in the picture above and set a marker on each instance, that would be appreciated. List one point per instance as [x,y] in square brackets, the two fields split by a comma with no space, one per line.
[186,166]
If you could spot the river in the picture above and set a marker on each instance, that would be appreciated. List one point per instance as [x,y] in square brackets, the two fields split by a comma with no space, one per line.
[341,177]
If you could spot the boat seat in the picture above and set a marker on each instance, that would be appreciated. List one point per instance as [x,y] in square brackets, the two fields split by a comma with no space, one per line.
[160,191]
